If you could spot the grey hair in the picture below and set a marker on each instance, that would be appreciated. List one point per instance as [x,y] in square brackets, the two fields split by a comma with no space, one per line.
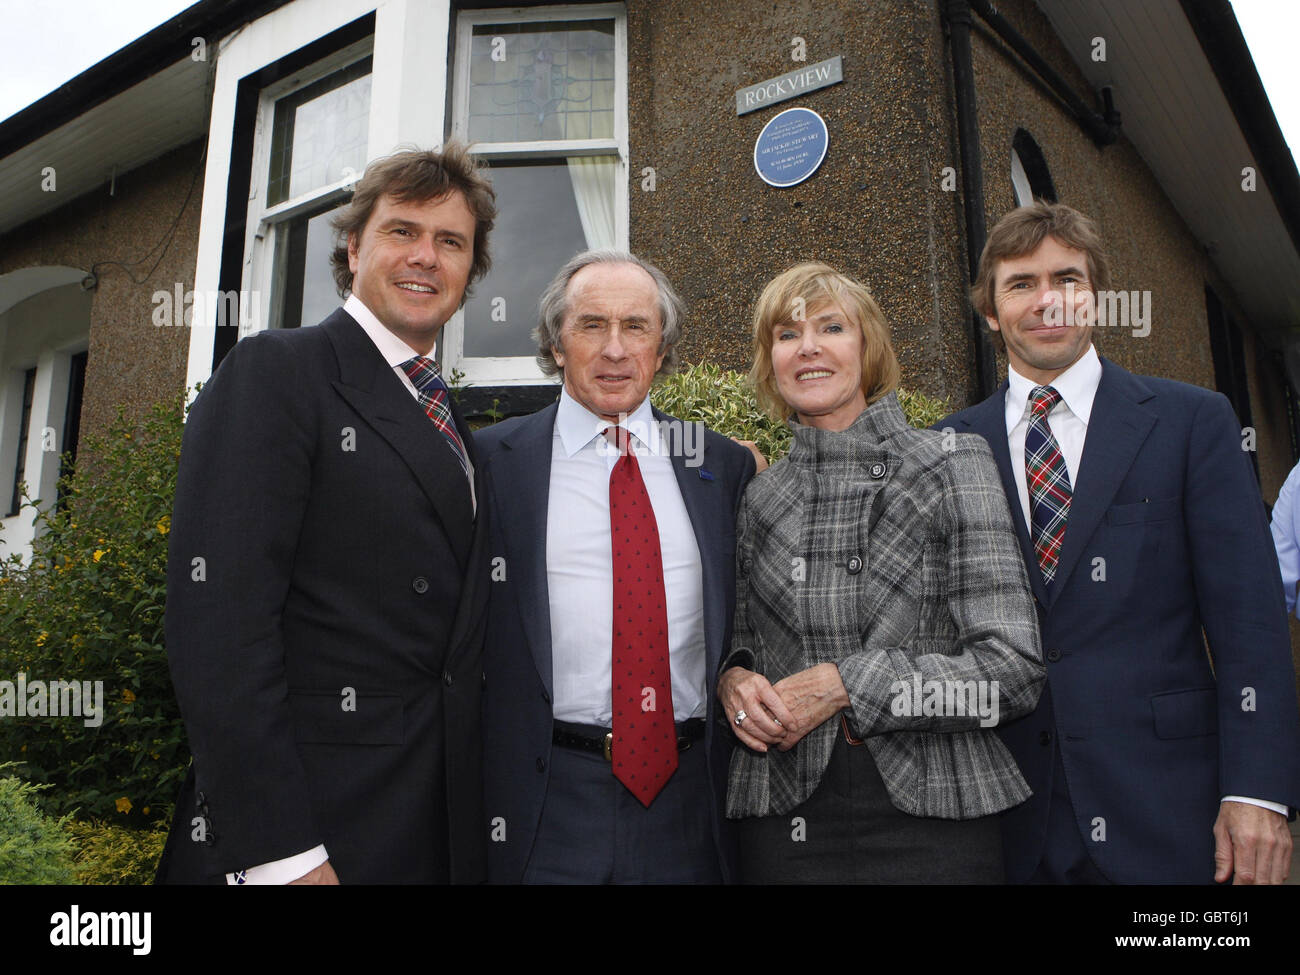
[554,305]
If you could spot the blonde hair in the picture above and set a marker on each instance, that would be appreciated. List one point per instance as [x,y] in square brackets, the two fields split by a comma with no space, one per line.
[818,285]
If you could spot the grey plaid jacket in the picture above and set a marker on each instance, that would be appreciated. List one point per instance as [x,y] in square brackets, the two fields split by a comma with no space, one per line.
[890,552]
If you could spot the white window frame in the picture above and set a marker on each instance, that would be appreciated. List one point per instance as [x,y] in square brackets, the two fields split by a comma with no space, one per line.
[407,98]
[1020,188]
[263,223]
[523,369]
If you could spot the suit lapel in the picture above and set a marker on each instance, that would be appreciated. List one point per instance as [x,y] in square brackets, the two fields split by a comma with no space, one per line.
[699,495]
[1117,429]
[989,420]
[473,596]
[521,471]
[369,385]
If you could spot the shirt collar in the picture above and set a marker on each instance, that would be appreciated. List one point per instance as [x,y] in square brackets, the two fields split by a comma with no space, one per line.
[393,349]
[1077,386]
[578,426]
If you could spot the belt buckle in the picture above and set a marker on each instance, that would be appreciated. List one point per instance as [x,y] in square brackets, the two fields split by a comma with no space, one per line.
[609,746]
[844,723]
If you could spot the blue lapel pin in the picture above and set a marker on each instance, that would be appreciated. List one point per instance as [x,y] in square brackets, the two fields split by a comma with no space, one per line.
[705,475]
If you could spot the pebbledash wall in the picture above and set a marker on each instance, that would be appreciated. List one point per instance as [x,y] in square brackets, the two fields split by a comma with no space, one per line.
[877,208]
[132,363]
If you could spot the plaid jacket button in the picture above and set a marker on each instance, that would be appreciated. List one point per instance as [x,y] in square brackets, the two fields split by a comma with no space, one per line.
[855,565]
[877,470]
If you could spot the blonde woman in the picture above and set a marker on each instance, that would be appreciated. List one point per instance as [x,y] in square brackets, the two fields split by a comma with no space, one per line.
[884,622]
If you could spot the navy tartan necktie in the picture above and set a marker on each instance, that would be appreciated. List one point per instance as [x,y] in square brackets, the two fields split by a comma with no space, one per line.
[424,376]
[1048,480]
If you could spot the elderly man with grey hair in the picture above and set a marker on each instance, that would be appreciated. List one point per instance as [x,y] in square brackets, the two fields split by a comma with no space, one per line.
[612,548]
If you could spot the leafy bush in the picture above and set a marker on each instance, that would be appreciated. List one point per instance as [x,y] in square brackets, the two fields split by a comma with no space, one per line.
[725,402]
[33,847]
[109,854]
[88,606]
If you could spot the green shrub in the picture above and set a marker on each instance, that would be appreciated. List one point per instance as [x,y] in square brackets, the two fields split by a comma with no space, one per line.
[88,606]
[33,847]
[725,402]
[109,854]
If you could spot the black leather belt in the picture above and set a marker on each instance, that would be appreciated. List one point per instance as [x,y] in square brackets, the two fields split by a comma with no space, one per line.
[593,738]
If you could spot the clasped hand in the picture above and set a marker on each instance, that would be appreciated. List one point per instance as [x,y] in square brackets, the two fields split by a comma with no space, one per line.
[781,714]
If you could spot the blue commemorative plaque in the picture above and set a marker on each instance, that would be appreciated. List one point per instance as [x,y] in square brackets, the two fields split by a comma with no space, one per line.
[791,147]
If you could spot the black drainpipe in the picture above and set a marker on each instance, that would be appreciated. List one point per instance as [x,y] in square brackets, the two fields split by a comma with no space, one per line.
[957,13]
[1102,129]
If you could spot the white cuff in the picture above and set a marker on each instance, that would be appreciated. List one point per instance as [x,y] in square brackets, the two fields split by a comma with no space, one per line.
[281,871]
[1278,807]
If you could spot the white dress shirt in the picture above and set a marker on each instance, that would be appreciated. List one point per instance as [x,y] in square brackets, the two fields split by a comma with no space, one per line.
[1286,537]
[395,352]
[579,572]
[1069,422]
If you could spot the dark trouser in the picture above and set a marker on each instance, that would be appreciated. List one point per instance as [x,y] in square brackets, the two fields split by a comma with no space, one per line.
[594,831]
[1065,859]
[848,832]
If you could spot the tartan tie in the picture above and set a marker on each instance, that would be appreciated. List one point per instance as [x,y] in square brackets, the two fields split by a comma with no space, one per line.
[424,376]
[645,741]
[1049,482]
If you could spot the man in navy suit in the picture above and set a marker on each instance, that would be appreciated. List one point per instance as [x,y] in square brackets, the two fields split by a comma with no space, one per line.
[610,608]
[1145,537]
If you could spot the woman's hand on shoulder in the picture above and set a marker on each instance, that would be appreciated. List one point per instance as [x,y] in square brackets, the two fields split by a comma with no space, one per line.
[760,462]
[764,718]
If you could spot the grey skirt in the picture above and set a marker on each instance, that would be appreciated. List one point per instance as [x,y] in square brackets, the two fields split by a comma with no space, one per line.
[848,832]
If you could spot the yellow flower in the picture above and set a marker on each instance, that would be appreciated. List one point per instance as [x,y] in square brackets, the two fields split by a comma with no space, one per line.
[165,525]
[123,805]
[145,810]
[128,695]
[99,554]
[40,640]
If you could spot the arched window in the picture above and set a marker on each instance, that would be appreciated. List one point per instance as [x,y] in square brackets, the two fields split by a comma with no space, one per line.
[1030,178]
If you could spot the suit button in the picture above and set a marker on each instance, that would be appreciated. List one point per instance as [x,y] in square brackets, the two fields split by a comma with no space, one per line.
[877,470]
[541,765]
[420,584]
[1044,738]
[485,680]
[854,565]
[1053,655]
[446,677]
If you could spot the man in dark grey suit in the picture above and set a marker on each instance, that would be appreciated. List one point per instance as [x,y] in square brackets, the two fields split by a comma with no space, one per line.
[326,574]
[613,550]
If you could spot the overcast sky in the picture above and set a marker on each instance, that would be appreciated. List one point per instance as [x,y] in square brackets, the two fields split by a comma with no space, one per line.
[46,42]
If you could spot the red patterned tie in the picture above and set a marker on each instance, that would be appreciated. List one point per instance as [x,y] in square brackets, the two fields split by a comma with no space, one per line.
[645,741]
